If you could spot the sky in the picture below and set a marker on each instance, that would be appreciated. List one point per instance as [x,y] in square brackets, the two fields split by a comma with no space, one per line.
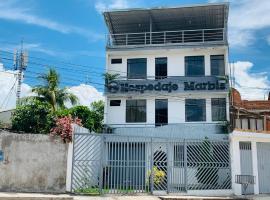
[70,36]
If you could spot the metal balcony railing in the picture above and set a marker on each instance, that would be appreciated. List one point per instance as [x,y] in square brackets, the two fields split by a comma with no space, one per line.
[166,37]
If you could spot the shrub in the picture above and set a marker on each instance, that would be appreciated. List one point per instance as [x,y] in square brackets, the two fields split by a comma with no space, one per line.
[33,117]
[63,128]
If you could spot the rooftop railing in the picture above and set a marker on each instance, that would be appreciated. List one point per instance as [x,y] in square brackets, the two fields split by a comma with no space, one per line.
[166,38]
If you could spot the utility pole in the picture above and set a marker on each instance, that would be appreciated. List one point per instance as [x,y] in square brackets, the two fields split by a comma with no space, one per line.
[20,64]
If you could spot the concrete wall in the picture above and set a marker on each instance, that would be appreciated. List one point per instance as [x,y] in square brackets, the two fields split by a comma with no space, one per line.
[176,59]
[176,108]
[32,163]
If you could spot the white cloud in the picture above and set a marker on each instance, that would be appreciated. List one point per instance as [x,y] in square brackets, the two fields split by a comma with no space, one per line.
[246,17]
[103,5]
[249,83]
[8,85]
[86,94]
[11,11]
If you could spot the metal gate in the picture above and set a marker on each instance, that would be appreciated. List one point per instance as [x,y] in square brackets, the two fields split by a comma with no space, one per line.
[263,151]
[246,164]
[105,163]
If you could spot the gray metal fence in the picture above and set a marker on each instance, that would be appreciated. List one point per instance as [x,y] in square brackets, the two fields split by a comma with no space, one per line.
[119,164]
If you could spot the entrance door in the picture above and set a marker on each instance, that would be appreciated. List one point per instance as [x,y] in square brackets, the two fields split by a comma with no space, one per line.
[263,152]
[246,164]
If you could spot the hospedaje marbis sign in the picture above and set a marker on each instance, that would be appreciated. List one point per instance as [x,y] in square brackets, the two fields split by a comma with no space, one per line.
[168,85]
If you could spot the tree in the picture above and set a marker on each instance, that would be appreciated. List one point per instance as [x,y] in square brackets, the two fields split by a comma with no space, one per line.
[33,117]
[50,92]
[95,122]
[109,77]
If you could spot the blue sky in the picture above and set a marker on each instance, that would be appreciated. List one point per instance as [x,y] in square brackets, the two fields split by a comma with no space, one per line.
[73,31]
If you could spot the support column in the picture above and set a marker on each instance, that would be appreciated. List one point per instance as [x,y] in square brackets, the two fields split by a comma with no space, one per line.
[255,166]
[235,164]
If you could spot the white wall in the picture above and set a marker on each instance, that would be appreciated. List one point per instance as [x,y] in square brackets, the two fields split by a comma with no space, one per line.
[176,108]
[176,59]
[254,138]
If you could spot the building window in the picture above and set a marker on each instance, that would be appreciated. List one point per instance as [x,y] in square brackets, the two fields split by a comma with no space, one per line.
[161,112]
[115,102]
[178,156]
[218,109]
[194,66]
[136,111]
[136,68]
[195,110]
[161,68]
[217,65]
[116,61]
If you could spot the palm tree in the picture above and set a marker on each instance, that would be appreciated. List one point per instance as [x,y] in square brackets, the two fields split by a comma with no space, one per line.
[50,92]
[109,77]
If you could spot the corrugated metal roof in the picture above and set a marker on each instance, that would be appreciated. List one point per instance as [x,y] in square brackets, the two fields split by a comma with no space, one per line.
[207,16]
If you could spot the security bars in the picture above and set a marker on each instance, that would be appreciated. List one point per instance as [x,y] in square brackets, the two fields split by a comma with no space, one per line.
[119,164]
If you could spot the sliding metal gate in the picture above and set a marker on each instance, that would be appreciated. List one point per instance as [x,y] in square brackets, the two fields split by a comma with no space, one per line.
[119,164]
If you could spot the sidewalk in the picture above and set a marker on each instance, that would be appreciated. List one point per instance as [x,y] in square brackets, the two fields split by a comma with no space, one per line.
[38,196]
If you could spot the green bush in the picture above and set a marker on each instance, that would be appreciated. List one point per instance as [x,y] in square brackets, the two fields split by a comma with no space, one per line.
[33,117]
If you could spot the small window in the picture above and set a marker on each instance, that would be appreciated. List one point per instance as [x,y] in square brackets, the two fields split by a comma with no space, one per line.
[161,117]
[161,68]
[194,66]
[218,109]
[136,68]
[116,61]
[195,110]
[135,111]
[115,102]
[217,65]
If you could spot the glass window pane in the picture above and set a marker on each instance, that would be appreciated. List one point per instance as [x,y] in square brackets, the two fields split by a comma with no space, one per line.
[217,65]
[195,110]
[136,111]
[115,102]
[161,68]
[194,66]
[136,68]
[218,109]
[161,111]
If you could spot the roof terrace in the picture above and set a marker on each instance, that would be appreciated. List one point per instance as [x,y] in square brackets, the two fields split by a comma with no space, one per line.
[188,25]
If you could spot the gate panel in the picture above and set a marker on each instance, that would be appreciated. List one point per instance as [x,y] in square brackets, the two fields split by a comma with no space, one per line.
[246,164]
[263,152]
[208,165]
[121,164]
[160,166]
[87,151]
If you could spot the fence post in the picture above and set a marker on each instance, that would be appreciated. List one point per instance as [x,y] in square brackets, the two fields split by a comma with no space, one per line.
[185,165]
[168,167]
[102,146]
[151,169]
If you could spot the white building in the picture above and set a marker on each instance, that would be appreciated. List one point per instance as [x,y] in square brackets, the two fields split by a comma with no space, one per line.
[166,104]
[173,67]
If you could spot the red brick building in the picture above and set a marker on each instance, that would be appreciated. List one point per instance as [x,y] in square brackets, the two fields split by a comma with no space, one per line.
[250,115]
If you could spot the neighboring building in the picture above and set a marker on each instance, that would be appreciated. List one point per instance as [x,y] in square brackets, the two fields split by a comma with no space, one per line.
[5,118]
[250,142]
[250,115]
[173,72]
